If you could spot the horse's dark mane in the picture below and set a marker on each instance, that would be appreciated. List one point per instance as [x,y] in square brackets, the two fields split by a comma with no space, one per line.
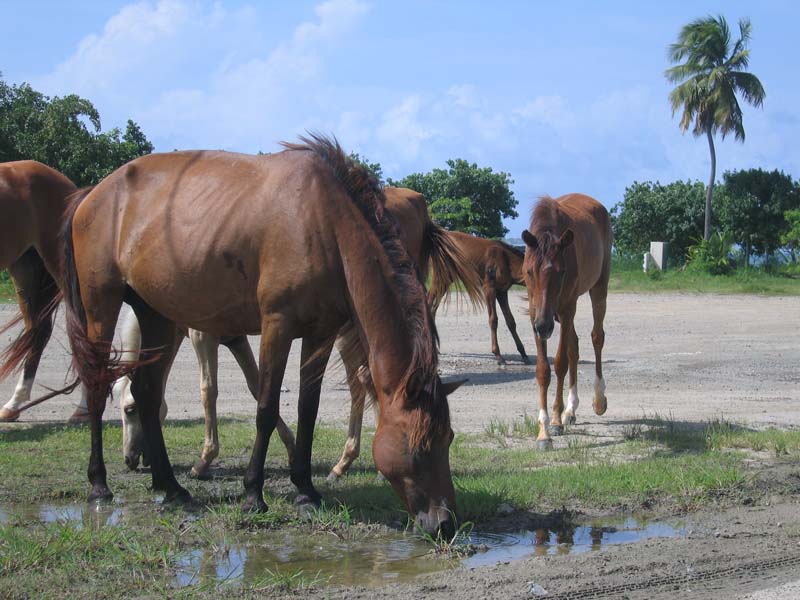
[433,418]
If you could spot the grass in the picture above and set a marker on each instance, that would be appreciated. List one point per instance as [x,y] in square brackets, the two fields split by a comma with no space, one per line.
[659,459]
[627,276]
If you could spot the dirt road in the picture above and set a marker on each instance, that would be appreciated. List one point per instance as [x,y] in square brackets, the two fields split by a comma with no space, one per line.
[691,357]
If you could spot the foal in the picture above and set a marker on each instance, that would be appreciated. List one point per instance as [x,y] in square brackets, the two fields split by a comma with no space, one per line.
[568,253]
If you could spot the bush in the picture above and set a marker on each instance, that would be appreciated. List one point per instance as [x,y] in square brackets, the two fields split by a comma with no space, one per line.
[712,255]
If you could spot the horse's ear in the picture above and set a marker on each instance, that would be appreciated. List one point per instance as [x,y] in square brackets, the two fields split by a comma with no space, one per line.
[566,238]
[451,386]
[530,239]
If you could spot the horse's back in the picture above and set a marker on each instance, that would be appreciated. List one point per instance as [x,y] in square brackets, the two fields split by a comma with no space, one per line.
[411,213]
[591,226]
[203,236]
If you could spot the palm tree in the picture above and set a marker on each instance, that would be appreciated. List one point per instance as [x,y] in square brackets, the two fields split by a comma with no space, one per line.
[710,74]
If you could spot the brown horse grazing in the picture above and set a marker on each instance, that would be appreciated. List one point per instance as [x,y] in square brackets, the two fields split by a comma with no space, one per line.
[33,200]
[295,244]
[434,250]
[499,266]
[568,253]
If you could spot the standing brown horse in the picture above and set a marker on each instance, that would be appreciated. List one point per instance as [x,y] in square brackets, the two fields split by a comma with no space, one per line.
[499,266]
[33,201]
[568,253]
[295,244]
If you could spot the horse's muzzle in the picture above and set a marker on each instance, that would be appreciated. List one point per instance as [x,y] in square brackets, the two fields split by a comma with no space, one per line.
[543,328]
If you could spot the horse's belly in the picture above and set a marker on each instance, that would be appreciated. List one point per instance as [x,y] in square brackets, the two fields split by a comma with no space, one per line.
[217,300]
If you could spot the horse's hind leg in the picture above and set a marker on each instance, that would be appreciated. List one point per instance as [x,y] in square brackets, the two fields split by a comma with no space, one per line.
[240,348]
[490,294]
[35,291]
[313,359]
[206,348]
[502,299]
[159,336]
[598,295]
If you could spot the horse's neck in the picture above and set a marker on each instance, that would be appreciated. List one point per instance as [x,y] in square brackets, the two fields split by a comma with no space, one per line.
[378,310]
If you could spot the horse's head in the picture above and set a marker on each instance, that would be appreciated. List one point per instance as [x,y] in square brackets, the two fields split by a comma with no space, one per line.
[545,270]
[412,450]
[132,432]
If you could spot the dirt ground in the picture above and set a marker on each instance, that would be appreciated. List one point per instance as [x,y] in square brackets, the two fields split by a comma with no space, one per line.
[691,357]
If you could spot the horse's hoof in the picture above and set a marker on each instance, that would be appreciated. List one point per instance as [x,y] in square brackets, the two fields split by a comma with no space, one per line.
[100,494]
[569,420]
[79,416]
[200,471]
[526,360]
[544,444]
[9,416]
[556,430]
[179,495]
[501,363]
[600,406]
[332,477]
[308,499]
[380,477]
[254,505]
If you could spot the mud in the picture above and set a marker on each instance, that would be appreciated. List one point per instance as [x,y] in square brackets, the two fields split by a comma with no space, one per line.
[688,357]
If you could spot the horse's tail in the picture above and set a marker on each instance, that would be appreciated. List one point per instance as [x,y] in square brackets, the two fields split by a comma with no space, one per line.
[448,266]
[90,360]
[41,296]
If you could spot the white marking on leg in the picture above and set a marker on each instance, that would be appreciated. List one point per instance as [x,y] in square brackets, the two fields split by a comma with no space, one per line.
[572,401]
[22,394]
[544,419]
[599,387]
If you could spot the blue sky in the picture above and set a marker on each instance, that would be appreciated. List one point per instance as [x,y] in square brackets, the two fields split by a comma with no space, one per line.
[566,96]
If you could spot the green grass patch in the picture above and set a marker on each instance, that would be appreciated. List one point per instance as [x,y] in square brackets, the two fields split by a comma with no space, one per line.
[627,276]
[146,551]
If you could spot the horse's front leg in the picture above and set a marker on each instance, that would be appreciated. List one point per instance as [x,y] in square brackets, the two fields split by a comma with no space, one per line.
[566,318]
[352,447]
[276,341]
[543,380]
[240,348]
[313,359]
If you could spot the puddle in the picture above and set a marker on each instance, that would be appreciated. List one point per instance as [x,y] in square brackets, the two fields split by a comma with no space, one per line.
[568,540]
[360,560]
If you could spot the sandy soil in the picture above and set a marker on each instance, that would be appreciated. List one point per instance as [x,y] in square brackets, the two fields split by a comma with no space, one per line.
[694,357]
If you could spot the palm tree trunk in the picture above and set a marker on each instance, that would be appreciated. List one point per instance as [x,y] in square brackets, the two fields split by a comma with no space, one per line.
[710,189]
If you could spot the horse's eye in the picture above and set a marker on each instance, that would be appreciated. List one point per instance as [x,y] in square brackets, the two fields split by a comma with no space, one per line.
[130,410]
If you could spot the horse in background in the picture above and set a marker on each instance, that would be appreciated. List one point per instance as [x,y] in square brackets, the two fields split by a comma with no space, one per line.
[180,244]
[568,253]
[499,266]
[206,348]
[33,201]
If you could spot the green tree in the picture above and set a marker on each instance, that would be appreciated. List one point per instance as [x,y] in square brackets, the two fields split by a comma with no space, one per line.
[374,168]
[791,237]
[710,73]
[753,206]
[649,211]
[64,133]
[466,197]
